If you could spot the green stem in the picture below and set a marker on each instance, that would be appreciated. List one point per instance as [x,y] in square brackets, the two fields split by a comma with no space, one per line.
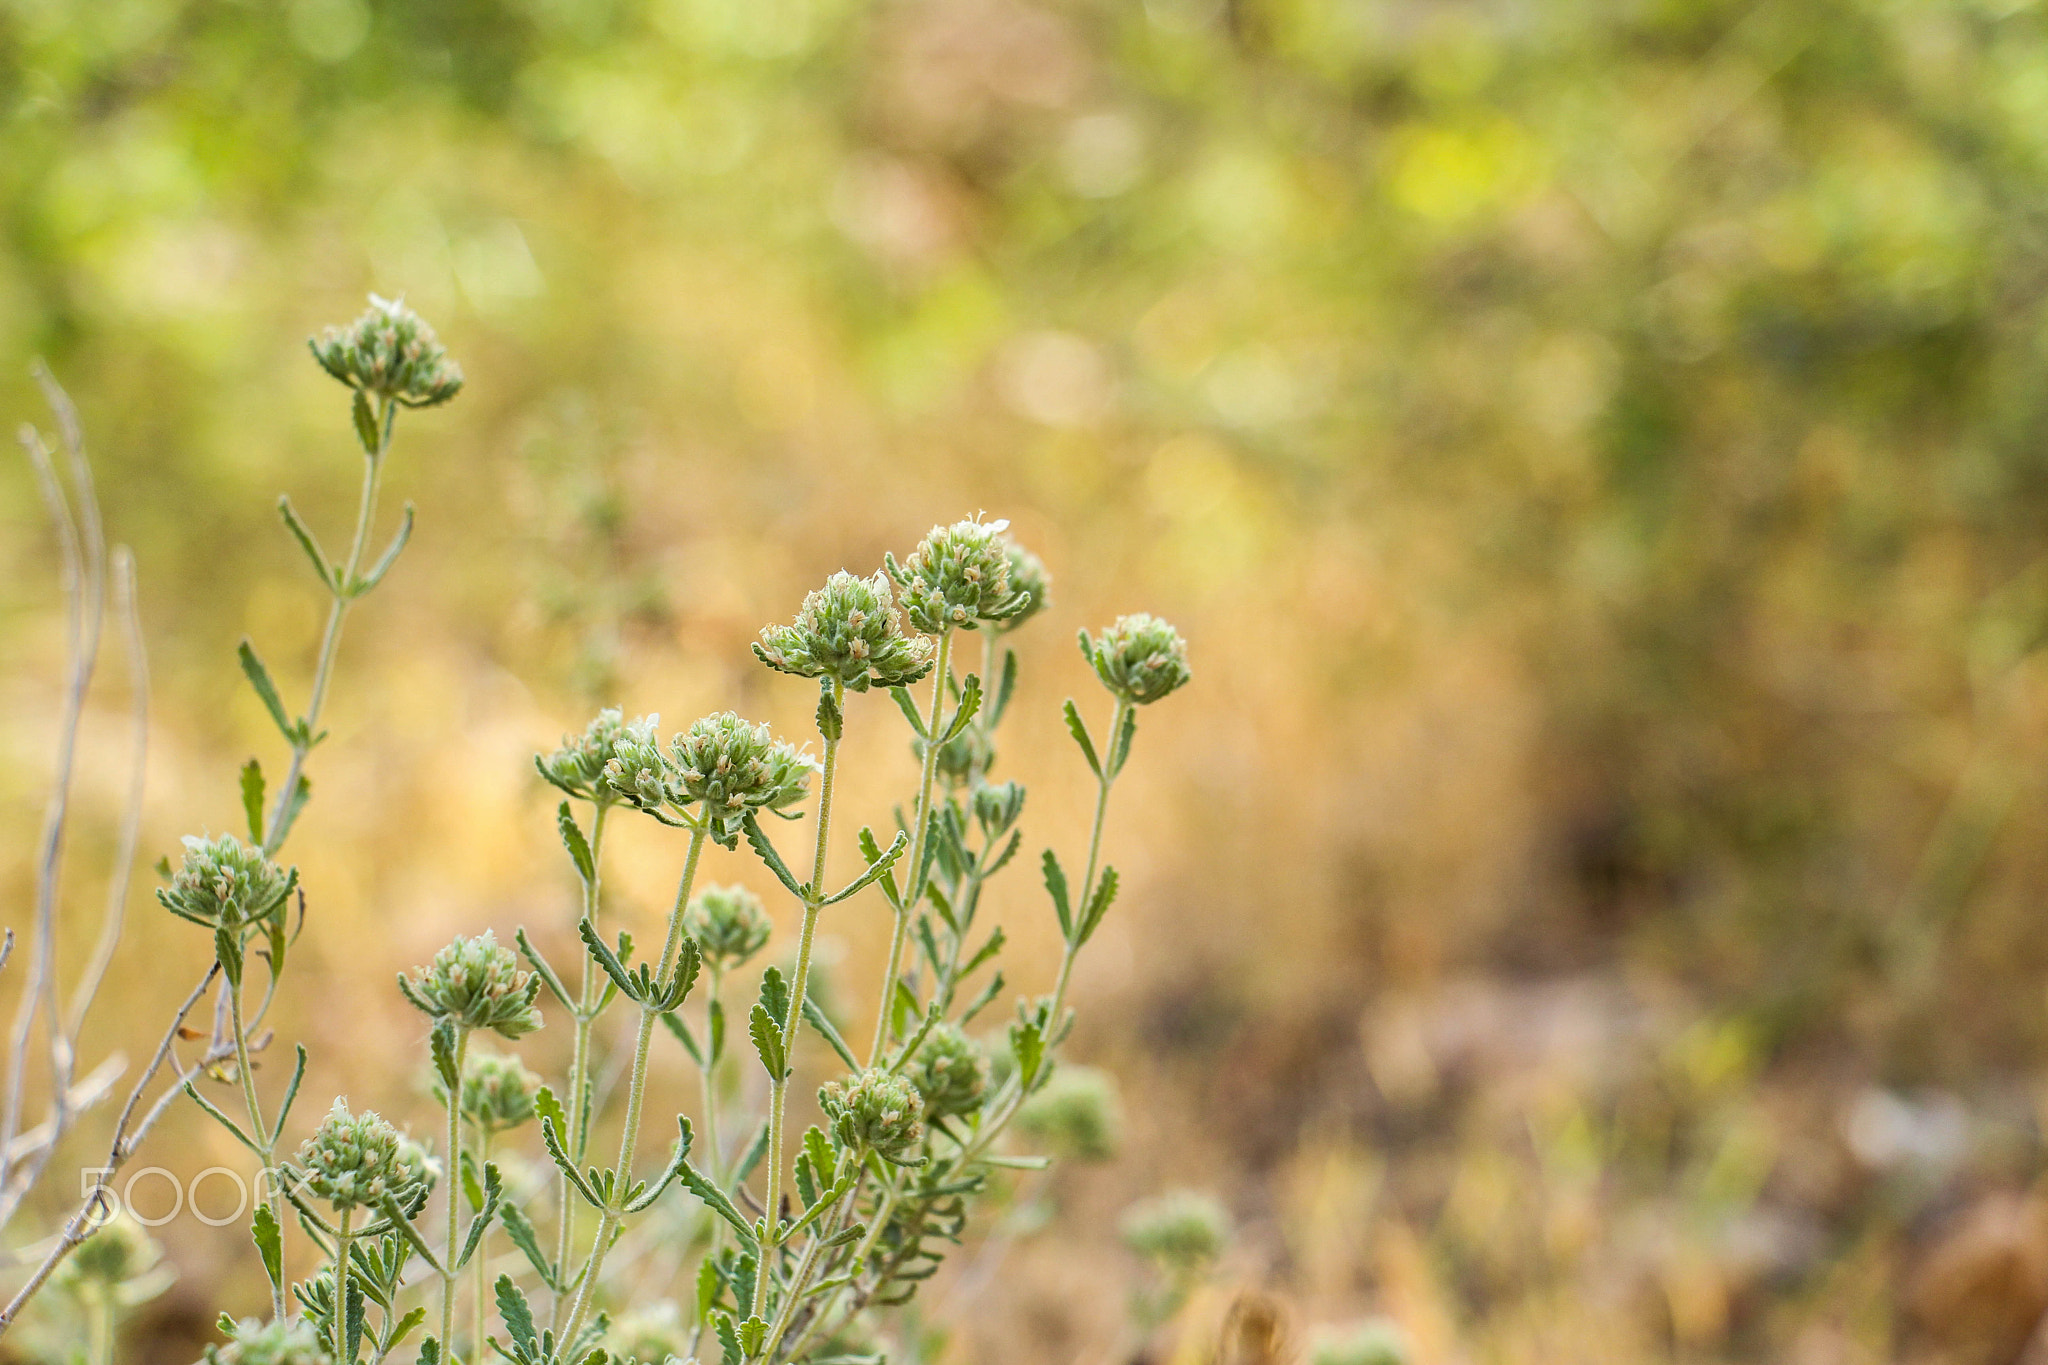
[636,1094]
[710,1075]
[579,1065]
[259,1130]
[483,1251]
[343,1238]
[779,1085]
[913,893]
[330,641]
[454,1179]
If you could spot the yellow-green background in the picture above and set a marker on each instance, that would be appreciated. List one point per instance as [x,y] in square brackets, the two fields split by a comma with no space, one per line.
[1588,906]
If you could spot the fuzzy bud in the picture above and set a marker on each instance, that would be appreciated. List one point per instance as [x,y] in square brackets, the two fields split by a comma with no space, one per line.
[1076,1114]
[1182,1232]
[580,765]
[389,352]
[355,1160]
[223,883]
[497,1092]
[963,758]
[729,925]
[477,984]
[950,1073]
[878,1110]
[734,766]
[849,630]
[271,1343]
[117,1264]
[958,577]
[1028,578]
[1141,658]
[638,773]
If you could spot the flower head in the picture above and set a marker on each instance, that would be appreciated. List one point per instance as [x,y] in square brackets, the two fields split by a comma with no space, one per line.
[355,1160]
[876,1109]
[638,773]
[950,1073]
[271,1343]
[728,923]
[389,352]
[849,630]
[478,985]
[1028,577]
[958,577]
[1076,1114]
[1141,658]
[497,1092]
[223,883]
[117,1264]
[579,766]
[1182,1232]
[734,767]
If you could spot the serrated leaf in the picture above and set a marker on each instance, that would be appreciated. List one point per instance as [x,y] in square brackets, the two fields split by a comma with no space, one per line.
[403,1328]
[831,720]
[516,1315]
[551,1139]
[767,1036]
[573,840]
[983,1000]
[830,1034]
[1056,887]
[872,852]
[983,954]
[714,1198]
[757,839]
[970,703]
[728,1337]
[352,1315]
[548,1107]
[366,424]
[1027,1044]
[1005,687]
[674,1023]
[601,952]
[1120,748]
[1079,730]
[442,1044]
[753,1332]
[775,993]
[269,1239]
[252,800]
[876,869]
[525,1237]
[1098,905]
[227,950]
[290,816]
[304,535]
[266,690]
[541,969]
[908,707]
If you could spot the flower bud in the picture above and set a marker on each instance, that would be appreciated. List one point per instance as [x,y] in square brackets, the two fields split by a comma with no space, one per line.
[963,758]
[223,883]
[1182,1232]
[389,352]
[271,1343]
[1141,658]
[355,1160]
[497,1092]
[579,766]
[1028,578]
[1076,1114]
[638,773]
[113,1265]
[959,577]
[950,1073]
[876,1109]
[729,925]
[477,984]
[734,766]
[848,630]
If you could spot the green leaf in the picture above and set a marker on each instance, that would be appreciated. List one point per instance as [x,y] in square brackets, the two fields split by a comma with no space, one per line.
[872,852]
[387,559]
[517,1316]
[715,1016]
[674,1023]
[542,969]
[366,424]
[552,1140]
[442,1043]
[1056,886]
[728,1335]
[1120,750]
[876,868]
[291,813]
[573,840]
[490,1197]
[1004,689]
[757,1147]
[970,702]
[819,1148]
[916,1040]
[902,1009]
[1098,905]
[908,707]
[983,1000]
[757,838]
[914,891]
[678,1157]
[753,1333]
[983,954]
[252,800]
[1027,1043]
[430,1350]
[775,994]
[1079,730]
[767,1036]
[1002,860]
[269,1241]
[828,1033]
[352,1315]
[601,952]
[714,1198]
[1018,1163]
[526,1238]
[403,1328]
[227,949]
[259,678]
[291,1091]
[831,720]
[548,1107]
[307,543]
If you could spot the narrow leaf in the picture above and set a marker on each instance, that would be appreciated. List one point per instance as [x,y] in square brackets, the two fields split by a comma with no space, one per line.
[291,1092]
[872,852]
[1056,886]
[291,812]
[259,678]
[1004,688]
[523,1235]
[442,1043]
[1079,730]
[714,1198]
[304,536]
[269,1241]
[385,560]
[831,721]
[252,800]
[516,1315]
[573,840]
[876,868]
[970,702]
[601,952]
[908,707]
[767,1036]
[681,1030]
[542,969]
[1098,905]
[366,424]
[758,839]
[1120,749]
[828,1033]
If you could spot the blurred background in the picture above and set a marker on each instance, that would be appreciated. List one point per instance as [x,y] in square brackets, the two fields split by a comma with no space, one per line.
[1588,906]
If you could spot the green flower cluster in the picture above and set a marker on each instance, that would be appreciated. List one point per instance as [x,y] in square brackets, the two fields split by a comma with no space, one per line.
[950,1072]
[389,352]
[734,767]
[1028,578]
[850,631]
[729,924]
[1182,1232]
[1076,1114]
[271,1343]
[1140,658]
[477,984]
[959,577]
[497,1092]
[637,773]
[580,765]
[876,1109]
[355,1160]
[225,884]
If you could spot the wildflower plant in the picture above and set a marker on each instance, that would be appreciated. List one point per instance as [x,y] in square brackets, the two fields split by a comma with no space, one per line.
[804,1240]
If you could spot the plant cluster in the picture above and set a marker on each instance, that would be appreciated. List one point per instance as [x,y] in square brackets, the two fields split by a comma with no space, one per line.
[800,1239]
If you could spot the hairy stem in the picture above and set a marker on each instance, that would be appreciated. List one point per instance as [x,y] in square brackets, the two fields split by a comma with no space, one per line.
[343,1237]
[259,1131]
[579,1065]
[779,1087]
[454,1179]
[481,1278]
[913,889]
